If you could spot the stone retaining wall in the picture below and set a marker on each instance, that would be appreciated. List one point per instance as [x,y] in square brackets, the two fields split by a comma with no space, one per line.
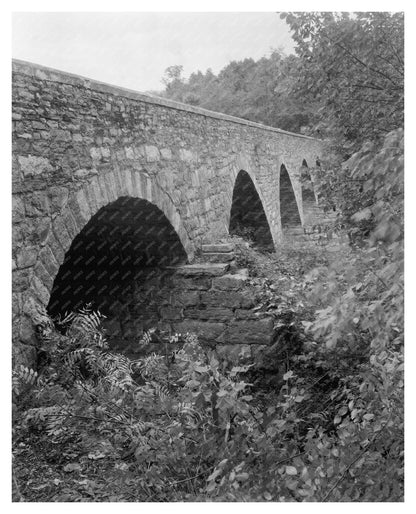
[205,299]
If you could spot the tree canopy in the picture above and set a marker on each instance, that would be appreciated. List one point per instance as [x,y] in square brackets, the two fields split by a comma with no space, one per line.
[345,83]
[353,65]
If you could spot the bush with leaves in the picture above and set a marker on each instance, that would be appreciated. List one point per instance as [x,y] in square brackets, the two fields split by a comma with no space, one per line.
[183,426]
[353,65]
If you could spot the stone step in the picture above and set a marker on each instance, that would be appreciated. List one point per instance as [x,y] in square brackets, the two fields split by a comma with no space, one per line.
[218,248]
[203,269]
[293,231]
[218,257]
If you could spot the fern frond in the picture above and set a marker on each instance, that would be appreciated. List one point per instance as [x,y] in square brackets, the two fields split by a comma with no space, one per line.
[161,392]
[23,376]
[147,337]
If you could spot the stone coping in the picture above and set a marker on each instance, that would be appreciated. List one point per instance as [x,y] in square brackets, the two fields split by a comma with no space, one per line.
[53,75]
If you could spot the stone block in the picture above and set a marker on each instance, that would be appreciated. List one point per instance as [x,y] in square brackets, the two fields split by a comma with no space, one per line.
[49,261]
[23,354]
[206,331]
[37,204]
[40,290]
[246,314]
[61,233]
[218,248]
[171,313]
[186,155]
[16,305]
[26,257]
[27,333]
[152,153]
[32,166]
[197,283]
[218,257]
[166,153]
[21,279]
[42,273]
[229,282]
[211,270]
[185,298]
[210,313]
[18,209]
[249,332]
[230,299]
[33,308]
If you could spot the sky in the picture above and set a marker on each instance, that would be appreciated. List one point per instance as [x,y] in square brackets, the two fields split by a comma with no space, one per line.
[134,49]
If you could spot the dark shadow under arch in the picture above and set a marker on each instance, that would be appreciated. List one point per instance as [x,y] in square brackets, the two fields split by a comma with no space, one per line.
[248,218]
[308,194]
[114,251]
[289,212]
[311,211]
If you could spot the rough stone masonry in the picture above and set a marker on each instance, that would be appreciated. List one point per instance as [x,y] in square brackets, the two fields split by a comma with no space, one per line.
[102,172]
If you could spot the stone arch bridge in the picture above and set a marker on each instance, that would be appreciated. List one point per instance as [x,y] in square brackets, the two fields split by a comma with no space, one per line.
[106,180]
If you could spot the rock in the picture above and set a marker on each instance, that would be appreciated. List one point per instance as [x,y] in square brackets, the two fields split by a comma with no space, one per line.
[246,314]
[152,153]
[166,153]
[249,332]
[32,166]
[205,330]
[211,313]
[27,331]
[20,279]
[185,298]
[192,270]
[218,248]
[24,354]
[218,257]
[198,283]
[26,257]
[230,299]
[186,155]
[18,209]
[229,282]
[173,313]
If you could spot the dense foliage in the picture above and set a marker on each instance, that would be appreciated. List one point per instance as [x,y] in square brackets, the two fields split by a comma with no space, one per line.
[353,65]
[255,90]
[346,82]
[184,426]
[317,417]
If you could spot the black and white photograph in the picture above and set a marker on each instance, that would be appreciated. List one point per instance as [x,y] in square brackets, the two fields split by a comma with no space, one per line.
[207,241]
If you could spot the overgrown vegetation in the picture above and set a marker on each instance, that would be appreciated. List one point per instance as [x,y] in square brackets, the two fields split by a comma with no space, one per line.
[345,84]
[255,90]
[319,416]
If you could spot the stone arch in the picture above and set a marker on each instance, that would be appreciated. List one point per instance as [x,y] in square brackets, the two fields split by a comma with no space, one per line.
[120,246]
[289,211]
[247,214]
[93,196]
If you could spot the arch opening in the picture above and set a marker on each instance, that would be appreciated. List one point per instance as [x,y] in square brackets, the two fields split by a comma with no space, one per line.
[308,191]
[247,218]
[311,212]
[121,250]
[289,212]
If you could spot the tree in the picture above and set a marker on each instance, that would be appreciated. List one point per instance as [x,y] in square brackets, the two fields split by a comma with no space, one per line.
[255,90]
[353,64]
[173,82]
